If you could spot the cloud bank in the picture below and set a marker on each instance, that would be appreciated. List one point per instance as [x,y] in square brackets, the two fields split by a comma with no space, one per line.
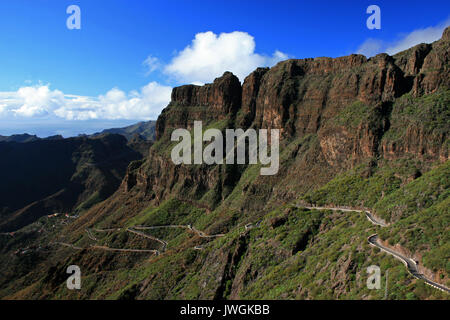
[372,47]
[42,102]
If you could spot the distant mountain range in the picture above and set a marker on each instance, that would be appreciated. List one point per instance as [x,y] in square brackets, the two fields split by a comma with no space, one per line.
[56,174]
[145,129]
[49,175]
[22,138]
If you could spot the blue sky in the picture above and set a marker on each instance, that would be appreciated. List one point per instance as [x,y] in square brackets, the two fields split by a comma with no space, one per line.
[55,80]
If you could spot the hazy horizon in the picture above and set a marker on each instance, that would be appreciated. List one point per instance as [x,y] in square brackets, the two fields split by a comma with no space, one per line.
[63,128]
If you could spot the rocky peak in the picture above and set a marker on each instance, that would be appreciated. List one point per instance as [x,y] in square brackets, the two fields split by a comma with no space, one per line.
[213,101]
[224,93]
[411,60]
[446,34]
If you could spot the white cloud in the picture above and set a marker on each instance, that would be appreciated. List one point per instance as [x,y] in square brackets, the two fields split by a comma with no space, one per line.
[371,47]
[426,35]
[152,64]
[210,55]
[41,101]
[36,101]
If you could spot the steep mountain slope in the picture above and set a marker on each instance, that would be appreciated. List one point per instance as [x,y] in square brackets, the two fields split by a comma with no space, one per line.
[355,132]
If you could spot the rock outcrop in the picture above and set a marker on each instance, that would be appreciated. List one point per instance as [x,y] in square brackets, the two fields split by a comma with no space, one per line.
[214,101]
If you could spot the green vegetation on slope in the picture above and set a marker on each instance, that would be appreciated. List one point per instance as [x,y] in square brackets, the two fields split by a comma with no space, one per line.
[430,112]
[293,254]
[418,208]
[430,189]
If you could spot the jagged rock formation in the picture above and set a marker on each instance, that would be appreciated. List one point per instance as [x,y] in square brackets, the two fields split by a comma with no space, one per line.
[215,101]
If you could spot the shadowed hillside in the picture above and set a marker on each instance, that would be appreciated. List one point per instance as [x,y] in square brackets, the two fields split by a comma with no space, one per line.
[46,176]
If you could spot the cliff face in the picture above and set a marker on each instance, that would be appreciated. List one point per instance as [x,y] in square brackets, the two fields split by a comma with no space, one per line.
[426,65]
[350,104]
[215,101]
[299,95]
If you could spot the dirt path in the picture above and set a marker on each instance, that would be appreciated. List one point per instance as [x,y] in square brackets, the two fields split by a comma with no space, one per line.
[164,243]
[369,215]
[141,234]
[201,234]
[68,245]
[156,252]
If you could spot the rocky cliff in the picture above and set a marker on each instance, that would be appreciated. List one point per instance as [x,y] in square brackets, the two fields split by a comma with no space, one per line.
[215,101]
[350,106]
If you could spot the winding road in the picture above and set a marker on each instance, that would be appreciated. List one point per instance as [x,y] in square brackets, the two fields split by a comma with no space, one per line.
[164,243]
[368,214]
[106,248]
[90,235]
[156,252]
[201,234]
[411,265]
[141,234]
[373,240]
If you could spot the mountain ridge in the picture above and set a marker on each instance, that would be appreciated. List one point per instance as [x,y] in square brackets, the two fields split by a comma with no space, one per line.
[354,132]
